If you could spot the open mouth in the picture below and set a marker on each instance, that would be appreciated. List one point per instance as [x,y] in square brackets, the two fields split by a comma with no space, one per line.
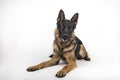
[64,41]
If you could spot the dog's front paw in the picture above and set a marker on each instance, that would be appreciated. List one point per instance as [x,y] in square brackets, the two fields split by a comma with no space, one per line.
[61,74]
[33,68]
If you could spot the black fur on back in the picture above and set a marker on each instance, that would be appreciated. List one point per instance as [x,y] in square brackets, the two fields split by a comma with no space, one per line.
[77,51]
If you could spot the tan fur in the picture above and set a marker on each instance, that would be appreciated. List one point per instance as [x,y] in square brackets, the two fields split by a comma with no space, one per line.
[57,35]
[71,46]
[62,51]
[82,51]
[56,48]
[70,66]
[48,63]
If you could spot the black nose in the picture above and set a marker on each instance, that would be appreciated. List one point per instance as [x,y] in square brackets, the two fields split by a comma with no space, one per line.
[65,36]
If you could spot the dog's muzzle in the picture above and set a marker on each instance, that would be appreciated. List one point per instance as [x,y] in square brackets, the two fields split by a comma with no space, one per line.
[65,38]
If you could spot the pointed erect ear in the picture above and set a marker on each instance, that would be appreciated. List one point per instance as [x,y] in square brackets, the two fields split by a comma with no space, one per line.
[61,15]
[75,18]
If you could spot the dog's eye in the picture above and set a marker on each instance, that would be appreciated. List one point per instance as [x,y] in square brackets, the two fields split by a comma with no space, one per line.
[60,27]
[71,28]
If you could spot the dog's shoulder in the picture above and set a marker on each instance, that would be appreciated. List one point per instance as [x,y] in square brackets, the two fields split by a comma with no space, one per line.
[78,41]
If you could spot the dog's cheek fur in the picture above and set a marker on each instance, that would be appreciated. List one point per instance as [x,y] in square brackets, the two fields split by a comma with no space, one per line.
[56,48]
[57,36]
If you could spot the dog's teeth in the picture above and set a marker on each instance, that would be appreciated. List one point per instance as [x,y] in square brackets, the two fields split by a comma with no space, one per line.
[63,40]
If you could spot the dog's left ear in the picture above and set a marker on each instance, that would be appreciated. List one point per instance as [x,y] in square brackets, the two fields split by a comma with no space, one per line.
[75,18]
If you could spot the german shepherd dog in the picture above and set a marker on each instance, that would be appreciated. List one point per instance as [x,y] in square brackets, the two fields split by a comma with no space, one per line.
[66,46]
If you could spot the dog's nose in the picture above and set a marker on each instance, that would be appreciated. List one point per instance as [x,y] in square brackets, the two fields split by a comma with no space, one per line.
[65,36]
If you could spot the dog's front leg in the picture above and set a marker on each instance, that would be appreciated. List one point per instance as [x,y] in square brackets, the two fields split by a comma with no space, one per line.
[54,61]
[70,66]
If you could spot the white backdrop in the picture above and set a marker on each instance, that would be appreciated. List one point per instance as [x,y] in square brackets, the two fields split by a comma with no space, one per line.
[27,33]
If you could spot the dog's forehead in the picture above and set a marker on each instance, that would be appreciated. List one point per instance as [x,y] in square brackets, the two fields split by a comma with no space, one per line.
[66,22]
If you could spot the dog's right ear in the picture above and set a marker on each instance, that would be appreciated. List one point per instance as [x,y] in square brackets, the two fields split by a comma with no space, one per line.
[61,15]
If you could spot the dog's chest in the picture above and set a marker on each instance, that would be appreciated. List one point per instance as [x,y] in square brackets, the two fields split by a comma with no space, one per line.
[64,49]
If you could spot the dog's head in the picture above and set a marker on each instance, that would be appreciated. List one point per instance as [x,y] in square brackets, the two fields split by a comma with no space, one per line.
[66,27]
